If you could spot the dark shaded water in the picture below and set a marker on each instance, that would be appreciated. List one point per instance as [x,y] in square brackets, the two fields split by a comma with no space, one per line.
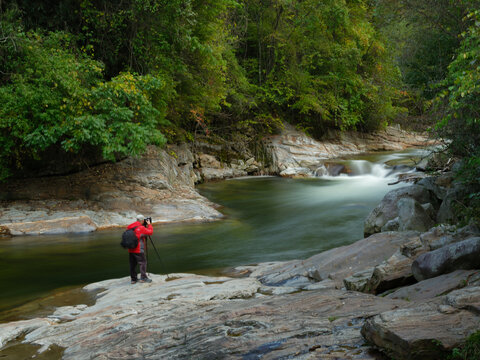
[266,219]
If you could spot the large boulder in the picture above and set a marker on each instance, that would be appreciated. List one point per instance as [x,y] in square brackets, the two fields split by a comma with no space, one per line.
[461,255]
[388,209]
[209,161]
[413,216]
[428,331]
[437,185]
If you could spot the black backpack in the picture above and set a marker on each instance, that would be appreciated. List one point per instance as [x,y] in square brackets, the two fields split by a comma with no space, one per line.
[129,239]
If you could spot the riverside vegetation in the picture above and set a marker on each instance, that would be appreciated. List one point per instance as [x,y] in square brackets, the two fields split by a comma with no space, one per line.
[95,82]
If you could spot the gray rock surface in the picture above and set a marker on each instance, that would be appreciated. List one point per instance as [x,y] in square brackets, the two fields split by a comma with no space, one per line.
[75,224]
[359,281]
[335,264]
[426,331]
[197,317]
[440,285]
[388,209]
[413,216]
[292,151]
[462,255]
[444,234]
[391,273]
[160,184]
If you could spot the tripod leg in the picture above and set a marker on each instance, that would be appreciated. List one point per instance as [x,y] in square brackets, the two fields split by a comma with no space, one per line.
[158,255]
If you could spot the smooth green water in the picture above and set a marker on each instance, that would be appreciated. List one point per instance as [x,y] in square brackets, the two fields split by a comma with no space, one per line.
[267,219]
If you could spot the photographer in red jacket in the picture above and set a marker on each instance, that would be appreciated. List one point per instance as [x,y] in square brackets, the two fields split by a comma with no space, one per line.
[143,228]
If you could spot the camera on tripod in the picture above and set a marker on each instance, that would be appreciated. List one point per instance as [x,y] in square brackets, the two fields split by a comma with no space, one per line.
[145,221]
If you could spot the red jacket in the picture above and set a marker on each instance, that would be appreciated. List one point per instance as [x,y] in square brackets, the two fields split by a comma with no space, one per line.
[139,231]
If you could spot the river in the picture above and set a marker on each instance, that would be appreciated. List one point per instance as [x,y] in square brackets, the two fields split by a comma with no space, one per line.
[267,219]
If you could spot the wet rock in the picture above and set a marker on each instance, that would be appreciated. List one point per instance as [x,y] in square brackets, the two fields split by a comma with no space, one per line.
[296,172]
[388,209]
[461,255]
[79,224]
[335,169]
[14,330]
[440,285]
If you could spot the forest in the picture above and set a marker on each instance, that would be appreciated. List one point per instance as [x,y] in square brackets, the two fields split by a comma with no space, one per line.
[103,79]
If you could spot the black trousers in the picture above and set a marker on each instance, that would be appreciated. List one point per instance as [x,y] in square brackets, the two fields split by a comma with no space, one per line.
[138,259]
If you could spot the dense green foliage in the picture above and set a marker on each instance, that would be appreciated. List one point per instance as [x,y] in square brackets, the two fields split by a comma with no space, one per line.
[318,64]
[470,350]
[106,74]
[55,97]
[113,77]
[461,102]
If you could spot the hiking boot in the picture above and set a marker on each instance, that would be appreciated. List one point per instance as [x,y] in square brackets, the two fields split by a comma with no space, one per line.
[133,282]
[147,280]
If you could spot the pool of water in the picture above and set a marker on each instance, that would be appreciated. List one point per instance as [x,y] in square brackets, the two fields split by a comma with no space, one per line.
[267,219]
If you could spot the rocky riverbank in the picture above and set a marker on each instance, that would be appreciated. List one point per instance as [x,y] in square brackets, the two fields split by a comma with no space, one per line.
[161,183]
[409,290]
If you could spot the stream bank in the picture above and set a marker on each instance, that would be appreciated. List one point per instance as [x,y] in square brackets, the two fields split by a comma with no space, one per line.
[162,182]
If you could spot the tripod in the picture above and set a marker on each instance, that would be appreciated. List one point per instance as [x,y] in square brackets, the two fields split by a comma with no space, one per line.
[156,251]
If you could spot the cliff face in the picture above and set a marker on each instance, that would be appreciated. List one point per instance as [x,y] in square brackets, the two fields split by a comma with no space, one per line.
[294,153]
[159,184]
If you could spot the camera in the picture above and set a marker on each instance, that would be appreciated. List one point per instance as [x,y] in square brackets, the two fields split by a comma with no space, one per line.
[145,221]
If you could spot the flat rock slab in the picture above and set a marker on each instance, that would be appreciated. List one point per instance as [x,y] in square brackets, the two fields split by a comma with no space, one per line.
[75,224]
[197,317]
[430,288]
[427,331]
[335,264]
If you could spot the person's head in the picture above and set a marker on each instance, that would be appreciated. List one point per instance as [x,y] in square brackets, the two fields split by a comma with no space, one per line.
[140,218]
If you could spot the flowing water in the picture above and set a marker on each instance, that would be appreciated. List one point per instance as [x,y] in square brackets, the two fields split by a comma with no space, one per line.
[267,219]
